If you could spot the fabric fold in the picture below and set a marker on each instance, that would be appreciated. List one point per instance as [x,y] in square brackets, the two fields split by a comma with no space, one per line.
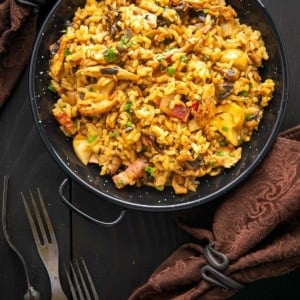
[257,226]
[17,35]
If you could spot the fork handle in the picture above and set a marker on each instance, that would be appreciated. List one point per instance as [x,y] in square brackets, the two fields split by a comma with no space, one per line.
[57,292]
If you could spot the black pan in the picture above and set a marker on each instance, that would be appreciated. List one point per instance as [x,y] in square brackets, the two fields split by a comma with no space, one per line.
[250,12]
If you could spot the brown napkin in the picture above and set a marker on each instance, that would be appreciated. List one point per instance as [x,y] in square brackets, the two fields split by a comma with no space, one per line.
[257,226]
[17,33]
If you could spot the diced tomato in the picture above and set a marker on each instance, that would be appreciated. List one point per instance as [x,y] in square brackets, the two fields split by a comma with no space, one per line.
[195,105]
[169,58]
[180,112]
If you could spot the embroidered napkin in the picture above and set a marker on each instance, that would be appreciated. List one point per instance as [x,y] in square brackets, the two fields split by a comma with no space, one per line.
[17,34]
[257,227]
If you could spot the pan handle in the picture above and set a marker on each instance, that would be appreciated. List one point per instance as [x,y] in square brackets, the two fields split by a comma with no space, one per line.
[261,3]
[83,214]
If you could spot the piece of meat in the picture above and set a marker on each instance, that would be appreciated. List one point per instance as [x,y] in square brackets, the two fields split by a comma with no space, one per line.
[131,174]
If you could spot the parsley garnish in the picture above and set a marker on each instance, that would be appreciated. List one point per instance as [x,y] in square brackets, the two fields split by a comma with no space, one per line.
[110,55]
[67,52]
[149,170]
[170,70]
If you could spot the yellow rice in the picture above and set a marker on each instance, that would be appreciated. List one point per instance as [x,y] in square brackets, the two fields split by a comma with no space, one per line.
[173,81]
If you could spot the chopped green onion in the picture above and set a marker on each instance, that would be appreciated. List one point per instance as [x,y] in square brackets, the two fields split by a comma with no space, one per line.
[91,138]
[128,124]
[225,128]
[159,187]
[183,58]
[51,88]
[128,106]
[120,182]
[170,70]
[110,55]
[208,35]
[149,170]
[67,52]
[249,117]
[113,134]
[125,42]
[220,153]
[243,93]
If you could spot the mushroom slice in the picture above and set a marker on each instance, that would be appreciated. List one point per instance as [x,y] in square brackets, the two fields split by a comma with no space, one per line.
[109,70]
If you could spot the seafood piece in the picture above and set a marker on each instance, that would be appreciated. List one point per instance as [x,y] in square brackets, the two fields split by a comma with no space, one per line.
[89,108]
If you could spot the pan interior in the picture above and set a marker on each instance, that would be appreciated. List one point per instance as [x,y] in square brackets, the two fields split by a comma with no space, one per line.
[60,147]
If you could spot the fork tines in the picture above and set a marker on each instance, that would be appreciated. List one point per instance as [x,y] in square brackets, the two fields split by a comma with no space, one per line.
[45,241]
[82,286]
[40,232]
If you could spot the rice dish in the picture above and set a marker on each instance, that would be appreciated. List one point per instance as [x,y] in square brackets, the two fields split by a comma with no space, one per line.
[159,93]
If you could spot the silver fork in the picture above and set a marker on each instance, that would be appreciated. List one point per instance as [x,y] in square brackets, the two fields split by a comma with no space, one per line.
[46,243]
[82,286]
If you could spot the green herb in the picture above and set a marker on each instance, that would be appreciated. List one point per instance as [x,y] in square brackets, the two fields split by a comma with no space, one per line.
[120,182]
[90,89]
[243,93]
[128,106]
[160,187]
[125,42]
[113,134]
[170,70]
[212,163]
[225,128]
[223,143]
[205,11]
[208,35]
[67,52]
[110,55]
[149,170]
[183,58]
[91,138]
[220,153]
[249,117]
[128,124]
[51,88]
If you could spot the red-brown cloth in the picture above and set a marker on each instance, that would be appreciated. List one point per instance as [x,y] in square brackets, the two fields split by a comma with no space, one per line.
[17,34]
[257,226]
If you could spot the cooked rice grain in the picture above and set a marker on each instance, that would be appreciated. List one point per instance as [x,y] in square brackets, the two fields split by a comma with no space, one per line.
[159,93]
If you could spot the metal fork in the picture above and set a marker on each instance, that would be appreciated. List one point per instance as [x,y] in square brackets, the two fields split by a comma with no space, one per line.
[46,243]
[84,286]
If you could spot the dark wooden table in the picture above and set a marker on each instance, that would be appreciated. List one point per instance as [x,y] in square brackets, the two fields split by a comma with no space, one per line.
[121,257]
